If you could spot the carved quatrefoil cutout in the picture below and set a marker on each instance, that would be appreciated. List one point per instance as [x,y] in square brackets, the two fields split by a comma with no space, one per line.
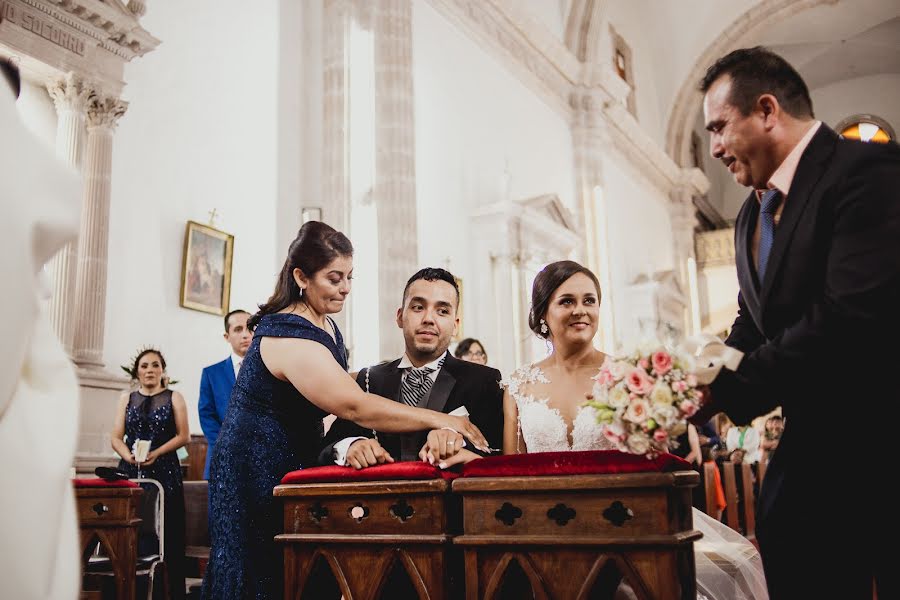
[508,513]
[561,513]
[617,513]
[358,512]
[401,510]
[317,512]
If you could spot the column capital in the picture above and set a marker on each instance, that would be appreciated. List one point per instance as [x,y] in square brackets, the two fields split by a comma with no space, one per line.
[70,93]
[105,111]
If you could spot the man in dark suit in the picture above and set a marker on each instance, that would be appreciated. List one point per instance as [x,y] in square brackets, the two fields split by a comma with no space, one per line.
[818,259]
[217,380]
[427,376]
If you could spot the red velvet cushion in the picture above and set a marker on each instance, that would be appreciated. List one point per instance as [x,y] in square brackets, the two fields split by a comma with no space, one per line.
[386,472]
[595,462]
[97,482]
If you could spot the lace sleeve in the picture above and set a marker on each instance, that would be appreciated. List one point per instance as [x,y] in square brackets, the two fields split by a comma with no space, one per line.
[516,384]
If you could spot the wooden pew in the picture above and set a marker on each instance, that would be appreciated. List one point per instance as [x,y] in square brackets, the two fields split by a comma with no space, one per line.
[196,526]
[196,460]
[740,509]
[111,516]
[708,476]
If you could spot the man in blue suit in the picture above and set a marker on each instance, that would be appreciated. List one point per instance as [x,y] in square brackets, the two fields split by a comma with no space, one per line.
[218,380]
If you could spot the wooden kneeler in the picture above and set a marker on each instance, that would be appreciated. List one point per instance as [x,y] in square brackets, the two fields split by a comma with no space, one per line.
[547,523]
[381,533]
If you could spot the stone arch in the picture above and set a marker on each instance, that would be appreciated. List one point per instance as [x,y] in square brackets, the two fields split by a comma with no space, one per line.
[741,31]
[583,28]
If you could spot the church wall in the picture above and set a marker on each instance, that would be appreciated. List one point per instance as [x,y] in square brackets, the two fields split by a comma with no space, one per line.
[665,48]
[639,231]
[877,95]
[481,137]
[200,133]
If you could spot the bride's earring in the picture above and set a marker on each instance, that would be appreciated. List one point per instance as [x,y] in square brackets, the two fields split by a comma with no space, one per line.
[544,328]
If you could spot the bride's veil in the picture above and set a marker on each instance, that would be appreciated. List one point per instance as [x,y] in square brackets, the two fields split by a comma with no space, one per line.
[728,565]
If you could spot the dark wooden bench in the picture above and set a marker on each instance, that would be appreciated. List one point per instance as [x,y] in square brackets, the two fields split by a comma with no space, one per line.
[196,526]
[740,498]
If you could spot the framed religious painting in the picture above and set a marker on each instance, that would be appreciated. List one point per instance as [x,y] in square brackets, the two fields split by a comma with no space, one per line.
[206,269]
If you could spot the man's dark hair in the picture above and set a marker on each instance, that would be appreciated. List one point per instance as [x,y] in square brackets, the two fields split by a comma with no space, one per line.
[757,71]
[433,274]
[234,312]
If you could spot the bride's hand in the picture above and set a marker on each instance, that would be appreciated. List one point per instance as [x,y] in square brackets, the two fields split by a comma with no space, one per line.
[468,430]
[440,445]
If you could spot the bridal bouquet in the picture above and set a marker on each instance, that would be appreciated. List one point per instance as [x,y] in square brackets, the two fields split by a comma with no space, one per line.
[644,399]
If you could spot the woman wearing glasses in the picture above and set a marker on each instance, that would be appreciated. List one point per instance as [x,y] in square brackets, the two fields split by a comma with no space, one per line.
[471,350]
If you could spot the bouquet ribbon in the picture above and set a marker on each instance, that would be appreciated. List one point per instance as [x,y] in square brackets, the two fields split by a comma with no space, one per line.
[710,355]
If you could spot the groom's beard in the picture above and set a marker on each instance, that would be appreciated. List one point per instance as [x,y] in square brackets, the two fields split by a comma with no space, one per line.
[426,352]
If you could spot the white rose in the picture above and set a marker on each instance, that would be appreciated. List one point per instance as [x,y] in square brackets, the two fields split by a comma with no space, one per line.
[638,443]
[677,429]
[638,411]
[664,414]
[619,369]
[617,397]
[661,393]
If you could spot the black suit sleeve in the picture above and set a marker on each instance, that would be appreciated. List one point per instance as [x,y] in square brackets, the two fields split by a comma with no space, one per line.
[486,412]
[840,330]
[342,428]
[744,335]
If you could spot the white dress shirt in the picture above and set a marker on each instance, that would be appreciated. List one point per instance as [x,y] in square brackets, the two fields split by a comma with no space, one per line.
[341,447]
[236,363]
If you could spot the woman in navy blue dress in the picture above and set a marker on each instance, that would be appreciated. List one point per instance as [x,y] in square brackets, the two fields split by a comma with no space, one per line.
[159,415]
[294,374]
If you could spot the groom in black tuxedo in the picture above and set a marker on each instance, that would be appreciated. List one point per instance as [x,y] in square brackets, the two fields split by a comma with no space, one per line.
[817,246]
[427,376]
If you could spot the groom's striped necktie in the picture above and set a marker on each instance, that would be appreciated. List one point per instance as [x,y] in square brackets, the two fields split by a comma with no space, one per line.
[416,384]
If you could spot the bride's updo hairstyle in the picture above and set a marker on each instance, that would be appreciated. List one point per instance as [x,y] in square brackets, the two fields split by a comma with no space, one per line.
[545,284]
[316,245]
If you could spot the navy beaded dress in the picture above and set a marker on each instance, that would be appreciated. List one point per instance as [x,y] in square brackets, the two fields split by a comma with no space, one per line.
[269,430]
[153,418]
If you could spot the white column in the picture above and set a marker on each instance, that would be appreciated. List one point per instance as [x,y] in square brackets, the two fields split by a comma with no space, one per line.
[336,162]
[590,138]
[70,96]
[90,286]
[336,127]
[395,166]
[683,218]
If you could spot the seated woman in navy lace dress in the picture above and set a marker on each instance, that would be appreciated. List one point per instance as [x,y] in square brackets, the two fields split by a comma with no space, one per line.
[157,414]
[294,374]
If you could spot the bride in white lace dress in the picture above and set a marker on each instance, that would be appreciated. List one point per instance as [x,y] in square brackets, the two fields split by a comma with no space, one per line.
[544,411]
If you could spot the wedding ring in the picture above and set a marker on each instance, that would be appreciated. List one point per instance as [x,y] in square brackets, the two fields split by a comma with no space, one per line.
[451,442]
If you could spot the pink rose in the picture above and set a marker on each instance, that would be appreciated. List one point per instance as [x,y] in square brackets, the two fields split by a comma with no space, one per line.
[644,364]
[688,407]
[614,433]
[662,362]
[660,435]
[639,382]
[679,386]
[604,378]
[691,380]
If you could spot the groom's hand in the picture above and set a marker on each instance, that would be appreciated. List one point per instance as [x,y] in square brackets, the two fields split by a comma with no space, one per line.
[707,410]
[367,453]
